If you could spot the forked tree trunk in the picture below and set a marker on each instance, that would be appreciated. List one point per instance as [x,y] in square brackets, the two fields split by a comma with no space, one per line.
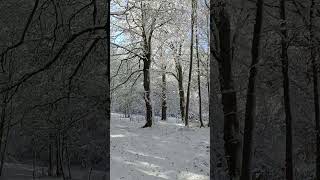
[251,97]
[286,91]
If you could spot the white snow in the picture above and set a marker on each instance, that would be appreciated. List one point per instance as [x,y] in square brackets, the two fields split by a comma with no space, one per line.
[168,150]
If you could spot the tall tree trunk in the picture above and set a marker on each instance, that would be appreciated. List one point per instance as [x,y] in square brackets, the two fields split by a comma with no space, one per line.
[58,164]
[199,75]
[2,123]
[211,44]
[147,91]
[315,88]
[147,34]
[127,108]
[50,160]
[34,164]
[108,98]
[61,148]
[68,161]
[4,150]
[164,95]
[3,145]
[181,89]
[194,6]
[179,71]
[229,97]
[286,91]
[181,93]
[251,97]
[209,64]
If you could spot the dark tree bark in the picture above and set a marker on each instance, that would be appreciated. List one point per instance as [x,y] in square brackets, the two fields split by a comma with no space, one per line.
[58,168]
[181,92]
[4,150]
[59,156]
[251,97]
[147,91]
[211,88]
[194,6]
[179,70]
[127,110]
[50,164]
[108,97]
[199,76]
[209,64]
[315,87]
[229,97]
[34,164]
[147,37]
[61,148]
[164,95]
[68,161]
[2,123]
[286,91]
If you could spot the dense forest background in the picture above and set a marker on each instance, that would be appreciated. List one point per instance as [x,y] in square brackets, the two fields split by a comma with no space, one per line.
[266,57]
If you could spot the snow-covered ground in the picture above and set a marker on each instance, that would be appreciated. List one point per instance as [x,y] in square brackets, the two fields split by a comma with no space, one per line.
[168,150]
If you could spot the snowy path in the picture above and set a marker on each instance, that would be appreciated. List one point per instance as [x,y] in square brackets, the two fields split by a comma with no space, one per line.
[166,151]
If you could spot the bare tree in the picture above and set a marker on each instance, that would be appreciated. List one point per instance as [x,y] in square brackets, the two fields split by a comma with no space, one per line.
[198,69]
[193,16]
[163,88]
[179,77]
[142,22]
[286,90]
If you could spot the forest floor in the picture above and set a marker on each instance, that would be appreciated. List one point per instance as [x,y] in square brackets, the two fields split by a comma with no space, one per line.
[167,151]
[17,171]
